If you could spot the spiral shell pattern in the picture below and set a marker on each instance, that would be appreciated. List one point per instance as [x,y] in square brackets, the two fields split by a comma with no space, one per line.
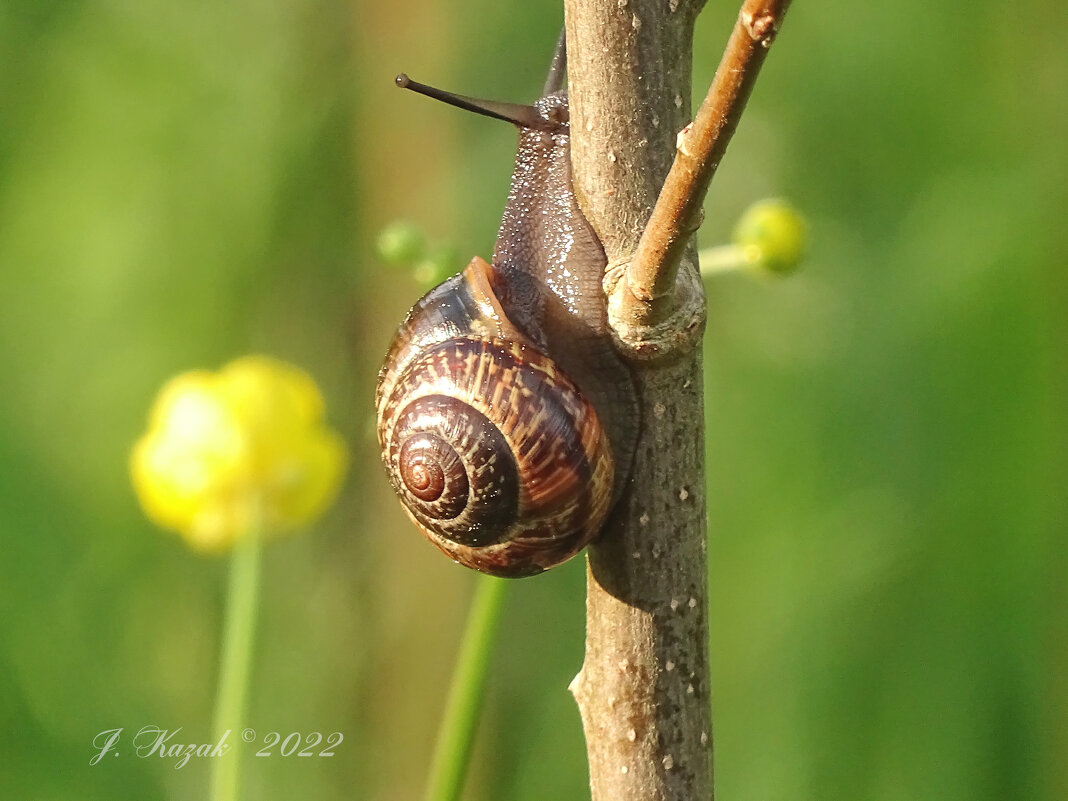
[495,454]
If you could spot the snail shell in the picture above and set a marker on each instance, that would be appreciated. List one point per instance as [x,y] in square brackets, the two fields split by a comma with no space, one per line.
[496,454]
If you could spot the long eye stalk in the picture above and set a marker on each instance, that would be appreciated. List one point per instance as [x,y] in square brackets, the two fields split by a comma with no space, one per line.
[523,116]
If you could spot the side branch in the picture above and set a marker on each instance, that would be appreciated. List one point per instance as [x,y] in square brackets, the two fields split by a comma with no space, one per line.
[652,271]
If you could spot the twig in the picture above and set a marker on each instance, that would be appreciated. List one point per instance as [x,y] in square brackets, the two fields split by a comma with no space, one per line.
[651,274]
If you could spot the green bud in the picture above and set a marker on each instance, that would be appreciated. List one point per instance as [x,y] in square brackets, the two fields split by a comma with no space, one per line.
[772,234]
[401,243]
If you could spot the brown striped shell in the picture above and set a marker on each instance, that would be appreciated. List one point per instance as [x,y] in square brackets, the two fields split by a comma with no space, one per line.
[496,455]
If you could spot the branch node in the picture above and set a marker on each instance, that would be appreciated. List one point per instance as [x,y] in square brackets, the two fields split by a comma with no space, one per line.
[674,328]
[761,26]
[680,141]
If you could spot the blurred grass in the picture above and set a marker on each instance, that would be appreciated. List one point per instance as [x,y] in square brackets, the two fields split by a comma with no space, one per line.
[886,431]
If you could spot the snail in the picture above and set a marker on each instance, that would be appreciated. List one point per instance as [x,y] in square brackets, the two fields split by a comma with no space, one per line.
[507,420]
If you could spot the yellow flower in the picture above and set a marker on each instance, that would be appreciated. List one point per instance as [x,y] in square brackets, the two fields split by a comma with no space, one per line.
[241,448]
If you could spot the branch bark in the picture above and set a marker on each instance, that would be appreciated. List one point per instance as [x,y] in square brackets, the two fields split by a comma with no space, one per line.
[644,689]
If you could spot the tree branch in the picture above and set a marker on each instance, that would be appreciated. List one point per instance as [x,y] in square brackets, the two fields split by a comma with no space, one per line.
[651,274]
[644,689]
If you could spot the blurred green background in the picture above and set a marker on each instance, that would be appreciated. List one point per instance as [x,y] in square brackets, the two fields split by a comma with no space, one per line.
[183,183]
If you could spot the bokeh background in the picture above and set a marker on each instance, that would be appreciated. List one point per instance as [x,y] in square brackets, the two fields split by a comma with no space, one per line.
[183,183]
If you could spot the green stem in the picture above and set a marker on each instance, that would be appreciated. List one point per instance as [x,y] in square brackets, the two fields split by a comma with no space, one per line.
[235,661]
[456,736]
[727,258]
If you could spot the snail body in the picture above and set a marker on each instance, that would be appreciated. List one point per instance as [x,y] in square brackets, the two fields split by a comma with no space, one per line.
[506,419]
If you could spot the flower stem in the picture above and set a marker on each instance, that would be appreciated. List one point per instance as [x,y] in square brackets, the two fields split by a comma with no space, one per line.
[464,703]
[727,258]
[236,660]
